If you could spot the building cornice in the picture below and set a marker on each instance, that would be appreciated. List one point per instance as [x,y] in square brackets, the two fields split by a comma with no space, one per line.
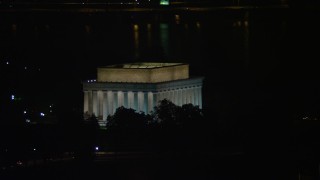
[147,87]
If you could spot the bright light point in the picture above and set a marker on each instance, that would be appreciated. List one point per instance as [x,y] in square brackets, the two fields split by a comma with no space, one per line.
[25,68]
[12,97]
[50,106]
[42,114]
[7,62]
[198,25]
[97,148]
[135,27]
[164,2]
[88,81]
[34,149]
[24,112]
[28,121]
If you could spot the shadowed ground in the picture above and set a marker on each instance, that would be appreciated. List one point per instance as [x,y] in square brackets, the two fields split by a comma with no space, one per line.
[145,166]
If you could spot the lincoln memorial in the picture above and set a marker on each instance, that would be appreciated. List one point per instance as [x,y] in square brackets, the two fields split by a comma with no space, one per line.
[139,86]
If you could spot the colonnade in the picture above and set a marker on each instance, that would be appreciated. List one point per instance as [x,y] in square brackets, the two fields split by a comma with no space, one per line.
[102,103]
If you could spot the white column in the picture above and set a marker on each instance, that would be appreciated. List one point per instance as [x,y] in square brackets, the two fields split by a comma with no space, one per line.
[176,97]
[110,102]
[135,101]
[90,102]
[163,95]
[130,100]
[150,102]
[105,106]
[155,100]
[145,102]
[120,99]
[200,97]
[115,102]
[168,95]
[85,101]
[160,96]
[171,95]
[140,101]
[184,96]
[95,103]
[196,96]
[100,103]
[125,99]
[194,101]
[189,96]
[180,97]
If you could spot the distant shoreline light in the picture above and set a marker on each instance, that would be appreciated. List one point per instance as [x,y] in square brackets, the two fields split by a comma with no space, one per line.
[164,2]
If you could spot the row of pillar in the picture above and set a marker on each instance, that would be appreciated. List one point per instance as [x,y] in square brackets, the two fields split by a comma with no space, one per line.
[102,103]
[183,96]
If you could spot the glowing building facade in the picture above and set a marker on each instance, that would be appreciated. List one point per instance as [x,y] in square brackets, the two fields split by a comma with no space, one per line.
[139,86]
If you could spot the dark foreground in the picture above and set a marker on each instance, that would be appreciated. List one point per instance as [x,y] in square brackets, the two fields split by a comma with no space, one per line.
[172,166]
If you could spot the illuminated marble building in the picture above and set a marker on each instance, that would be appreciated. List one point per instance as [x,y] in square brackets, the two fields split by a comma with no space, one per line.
[140,86]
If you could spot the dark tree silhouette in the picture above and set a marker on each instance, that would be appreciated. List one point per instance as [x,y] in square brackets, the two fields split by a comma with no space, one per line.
[126,118]
[126,127]
[178,128]
[166,113]
[93,121]
[168,128]
[189,115]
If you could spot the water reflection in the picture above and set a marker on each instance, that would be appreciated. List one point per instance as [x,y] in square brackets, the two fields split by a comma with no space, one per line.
[186,26]
[14,27]
[87,29]
[149,35]
[177,18]
[241,28]
[246,34]
[136,40]
[164,38]
[198,25]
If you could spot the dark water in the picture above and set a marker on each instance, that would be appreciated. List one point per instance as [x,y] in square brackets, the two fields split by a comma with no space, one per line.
[260,67]
[247,56]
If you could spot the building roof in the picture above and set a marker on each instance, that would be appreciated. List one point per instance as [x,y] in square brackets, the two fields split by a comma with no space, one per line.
[143,72]
[142,65]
